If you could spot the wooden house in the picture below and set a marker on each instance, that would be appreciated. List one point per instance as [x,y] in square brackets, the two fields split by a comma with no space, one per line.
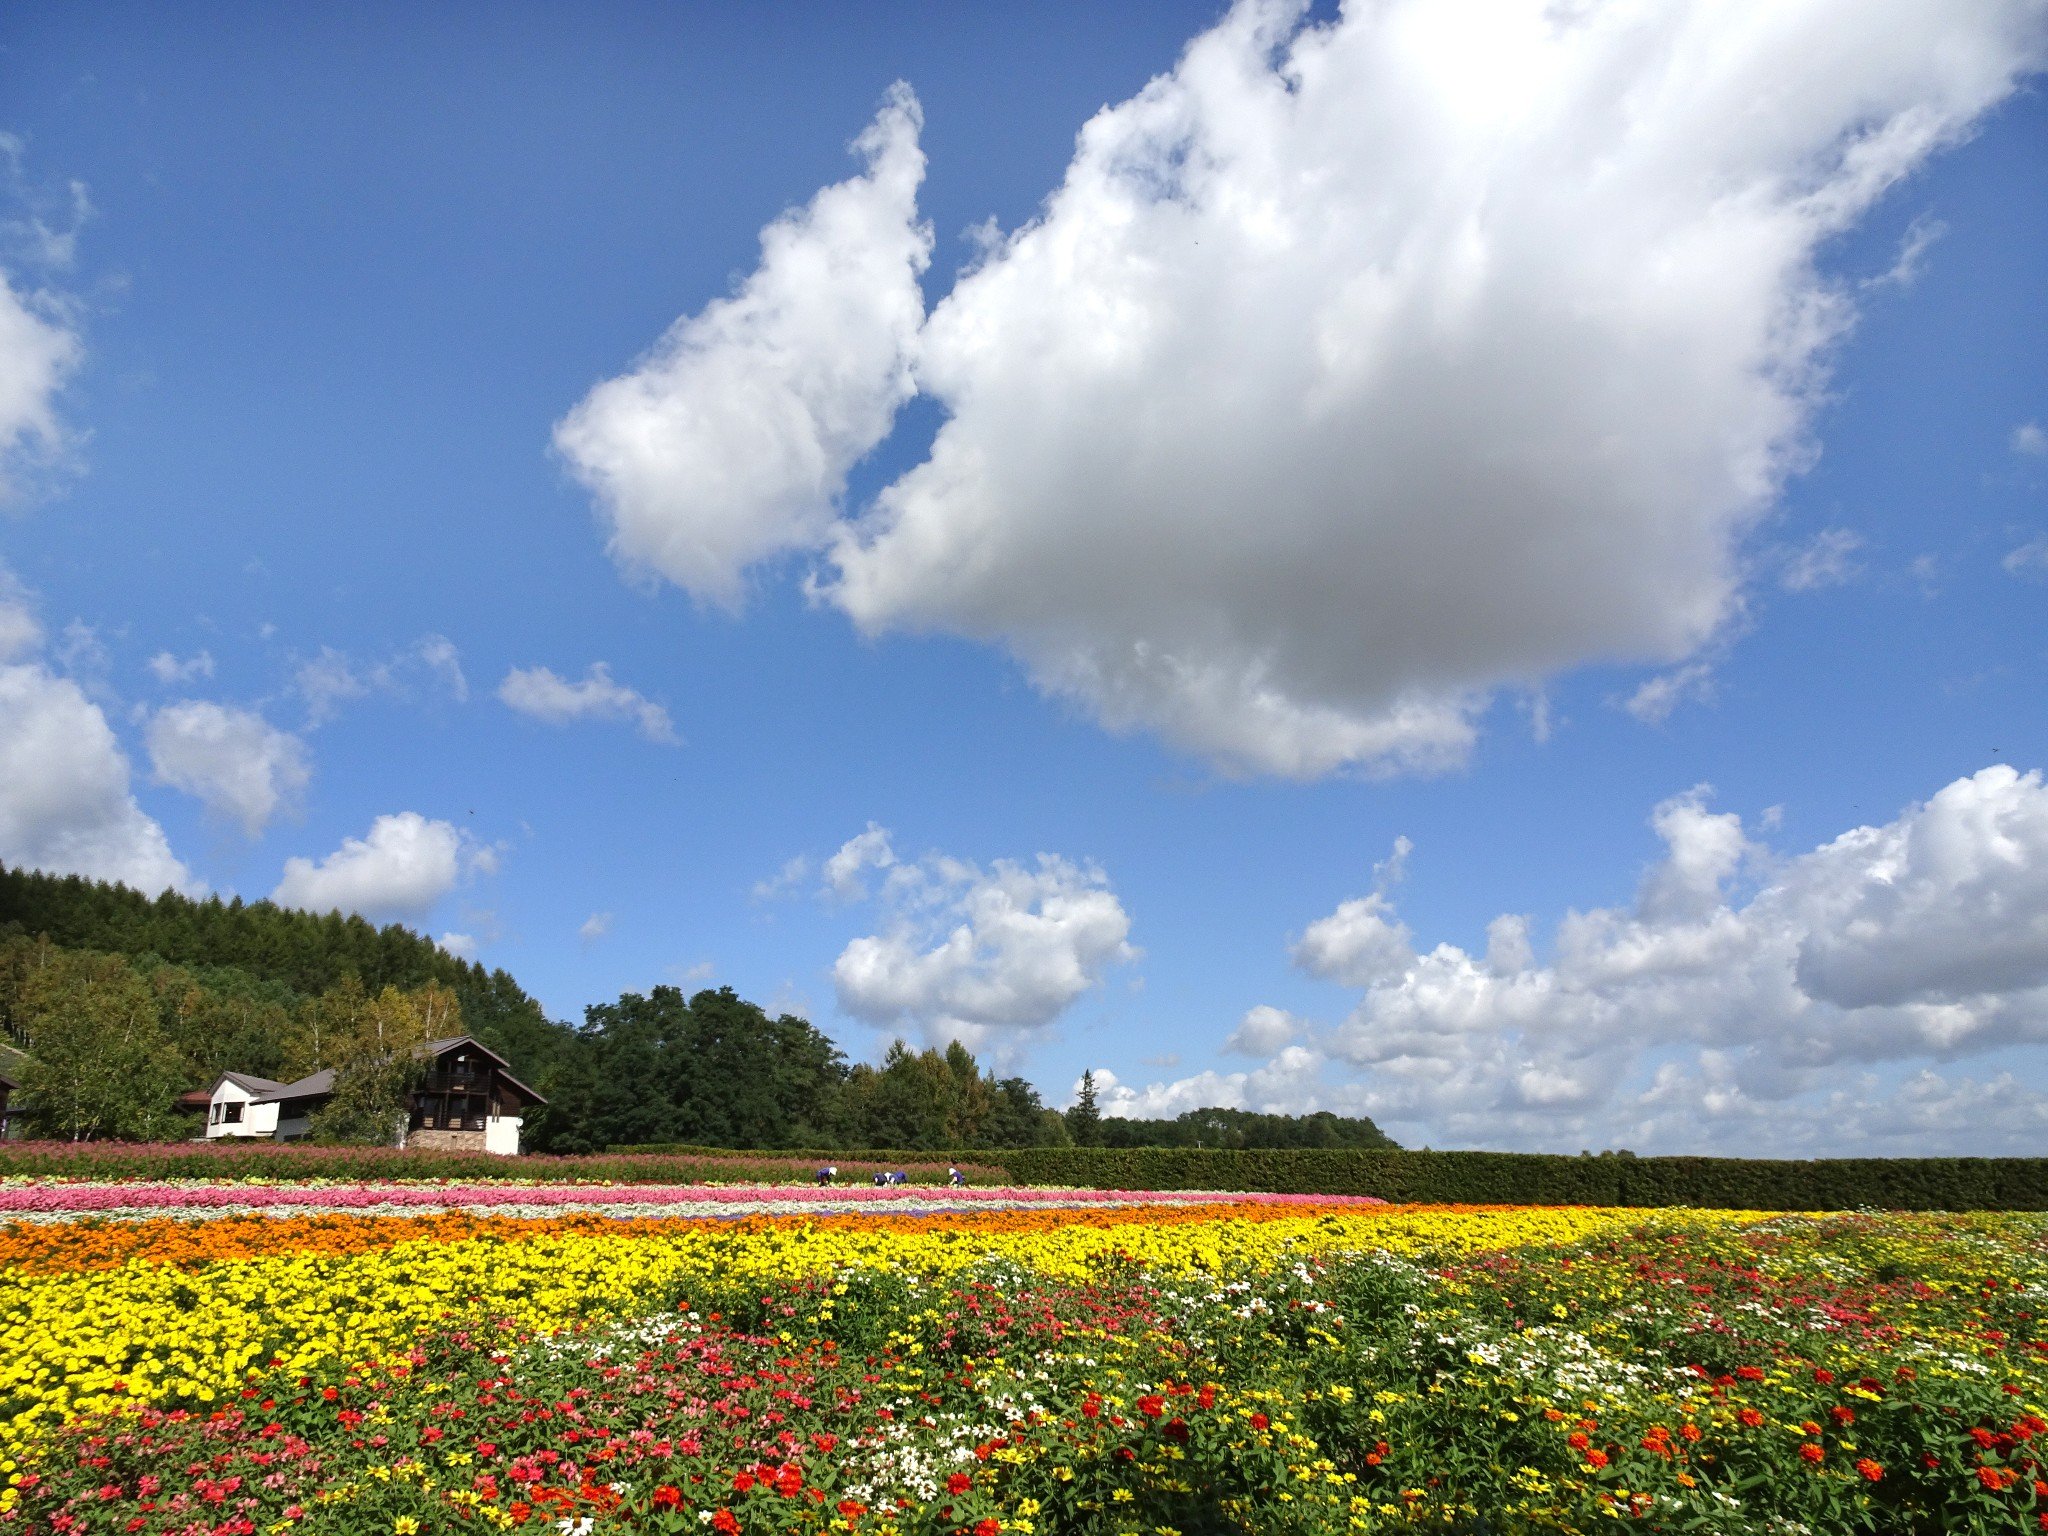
[468,1099]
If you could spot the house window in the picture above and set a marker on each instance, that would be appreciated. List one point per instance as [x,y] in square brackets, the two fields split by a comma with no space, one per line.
[231,1114]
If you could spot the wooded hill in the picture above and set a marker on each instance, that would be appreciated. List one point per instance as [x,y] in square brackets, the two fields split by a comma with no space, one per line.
[123,1001]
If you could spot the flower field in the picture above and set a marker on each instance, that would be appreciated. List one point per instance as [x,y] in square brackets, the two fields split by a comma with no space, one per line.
[228,1360]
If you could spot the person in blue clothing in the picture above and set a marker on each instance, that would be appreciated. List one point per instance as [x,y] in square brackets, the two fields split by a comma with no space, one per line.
[954,1177]
[828,1173]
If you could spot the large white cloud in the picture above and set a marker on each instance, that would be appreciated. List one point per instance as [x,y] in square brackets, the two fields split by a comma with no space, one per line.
[982,956]
[731,441]
[1355,370]
[402,867]
[1708,1014]
[233,760]
[538,693]
[65,804]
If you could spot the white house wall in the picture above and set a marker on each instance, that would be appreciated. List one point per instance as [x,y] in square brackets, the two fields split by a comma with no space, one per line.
[501,1135]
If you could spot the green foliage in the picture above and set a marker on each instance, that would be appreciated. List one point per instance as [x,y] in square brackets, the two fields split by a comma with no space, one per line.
[1242,1129]
[100,1063]
[1084,1120]
[1527,1178]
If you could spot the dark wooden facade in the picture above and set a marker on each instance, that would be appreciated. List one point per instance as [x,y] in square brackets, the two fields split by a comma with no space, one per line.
[467,1085]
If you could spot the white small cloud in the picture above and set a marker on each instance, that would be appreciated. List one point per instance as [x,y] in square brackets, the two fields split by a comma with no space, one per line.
[1911,260]
[2028,438]
[983,956]
[594,927]
[1828,559]
[1654,701]
[462,946]
[402,867]
[326,682]
[2029,561]
[20,632]
[541,695]
[39,352]
[170,670]
[437,653]
[333,678]
[1263,1032]
[794,872]
[845,872]
[234,761]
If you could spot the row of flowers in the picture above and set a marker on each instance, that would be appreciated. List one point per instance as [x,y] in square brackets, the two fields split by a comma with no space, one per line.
[31,1197]
[99,1316]
[1217,1369]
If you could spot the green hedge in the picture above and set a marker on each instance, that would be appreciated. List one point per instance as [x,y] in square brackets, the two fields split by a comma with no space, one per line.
[1525,1178]
[1521,1178]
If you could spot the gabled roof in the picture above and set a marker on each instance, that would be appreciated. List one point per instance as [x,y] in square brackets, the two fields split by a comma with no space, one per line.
[246,1081]
[305,1088]
[322,1082]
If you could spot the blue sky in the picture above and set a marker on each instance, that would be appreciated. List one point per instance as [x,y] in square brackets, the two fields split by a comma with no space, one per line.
[1605,458]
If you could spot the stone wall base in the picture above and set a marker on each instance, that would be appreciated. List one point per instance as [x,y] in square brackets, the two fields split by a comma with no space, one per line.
[446,1141]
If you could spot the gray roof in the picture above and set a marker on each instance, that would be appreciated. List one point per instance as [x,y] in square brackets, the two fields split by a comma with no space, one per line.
[248,1081]
[305,1088]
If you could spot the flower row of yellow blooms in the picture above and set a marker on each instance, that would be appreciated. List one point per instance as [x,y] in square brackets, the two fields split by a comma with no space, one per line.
[75,1343]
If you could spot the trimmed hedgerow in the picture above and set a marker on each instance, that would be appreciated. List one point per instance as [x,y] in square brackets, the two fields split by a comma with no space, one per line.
[1525,1178]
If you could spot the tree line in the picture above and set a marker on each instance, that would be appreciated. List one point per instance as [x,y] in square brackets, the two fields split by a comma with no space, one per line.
[122,1001]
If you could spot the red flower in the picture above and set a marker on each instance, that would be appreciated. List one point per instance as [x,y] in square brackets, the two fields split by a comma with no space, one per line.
[1812,1453]
[1175,1430]
[1842,1415]
[1153,1406]
[743,1482]
[667,1496]
[1206,1398]
[959,1482]
[1996,1478]
[1749,1418]
[990,1527]
[1688,1431]
[1870,1470]
[1260,1421]
[1825,1378]
[1578,1441]
[726,1523]
[1596,1458]
[1749,1373]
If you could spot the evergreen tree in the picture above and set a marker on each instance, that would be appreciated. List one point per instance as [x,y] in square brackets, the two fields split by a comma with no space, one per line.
[1084,1120]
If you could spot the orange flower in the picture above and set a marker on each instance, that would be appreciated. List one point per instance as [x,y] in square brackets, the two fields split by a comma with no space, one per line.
[1812,1453]
[1870,1470]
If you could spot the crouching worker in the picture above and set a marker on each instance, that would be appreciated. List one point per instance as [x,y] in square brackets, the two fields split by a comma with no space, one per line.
[828,1173]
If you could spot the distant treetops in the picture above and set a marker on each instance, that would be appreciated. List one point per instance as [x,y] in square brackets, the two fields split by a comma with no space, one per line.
[118,1003]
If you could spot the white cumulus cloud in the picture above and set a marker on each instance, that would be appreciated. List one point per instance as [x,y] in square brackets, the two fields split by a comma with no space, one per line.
[1355,369]
[39,351]
[983,956]
[400,869]
[169,670]
[65,800]
[731,441]
[1828,559]
[233,760]
[540,694]
[1742,1000]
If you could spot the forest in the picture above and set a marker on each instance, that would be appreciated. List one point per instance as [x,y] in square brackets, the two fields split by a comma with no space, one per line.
[113,1003]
